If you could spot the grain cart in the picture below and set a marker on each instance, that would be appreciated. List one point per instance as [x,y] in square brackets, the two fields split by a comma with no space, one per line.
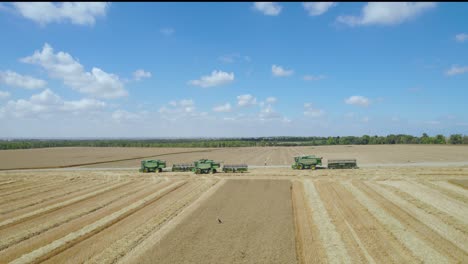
[205,166]
[342,164]
[152,165]
[306,162]
[235,168]
[182,167]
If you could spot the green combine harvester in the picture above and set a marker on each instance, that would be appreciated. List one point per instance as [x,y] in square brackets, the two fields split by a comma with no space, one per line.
[342,164]
[205,166]
[152,165]
[235,168]
[306,162]
[182,167]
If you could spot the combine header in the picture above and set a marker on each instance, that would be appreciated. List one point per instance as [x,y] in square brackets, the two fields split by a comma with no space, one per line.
[342,164]
[205,166]
[152,165]
[235,168]
[182,167]
[306,162]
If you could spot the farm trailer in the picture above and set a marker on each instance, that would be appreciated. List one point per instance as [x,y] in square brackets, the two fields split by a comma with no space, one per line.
[342,164]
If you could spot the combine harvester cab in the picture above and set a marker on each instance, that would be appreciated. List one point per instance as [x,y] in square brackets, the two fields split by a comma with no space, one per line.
[306,162]
[204,166]
[342,164]
[152,165]
[182,167]
[235,168]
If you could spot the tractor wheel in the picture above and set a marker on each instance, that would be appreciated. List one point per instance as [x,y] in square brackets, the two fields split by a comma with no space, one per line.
[198,171]
[300,166]
[312,167]
[145,170]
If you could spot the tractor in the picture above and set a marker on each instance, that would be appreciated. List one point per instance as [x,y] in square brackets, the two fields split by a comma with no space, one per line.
[152,165]
[306,162]
[205,166]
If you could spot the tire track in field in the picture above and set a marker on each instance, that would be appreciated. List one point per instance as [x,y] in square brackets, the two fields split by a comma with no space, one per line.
[127,243]
[28,188]
[71,239]
[424,215]
[309,248]
[380,244]
[71,191]
[37,226]
[452,213]
[329,234]
[414,223]
[418,247]
[53,207]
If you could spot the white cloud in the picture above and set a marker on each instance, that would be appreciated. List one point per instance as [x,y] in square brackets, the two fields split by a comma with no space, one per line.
[216,78]
[280,72]
[122,116]
[140,74]
[310,111]
[271,100]
[246,100]
[186,106]
[84,13]
[268,113]
[23,81]
[317,8]
[387,13]
[462,37]
[223,108]
[357,100]
[268,8]
[455,70]
[167,31]
[49,103]
[313,77]
[4,94]
[62,65]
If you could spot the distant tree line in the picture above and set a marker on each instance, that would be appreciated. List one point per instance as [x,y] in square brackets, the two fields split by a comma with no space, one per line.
[235,142]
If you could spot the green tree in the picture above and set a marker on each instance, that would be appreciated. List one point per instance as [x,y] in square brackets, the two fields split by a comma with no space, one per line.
[456,139]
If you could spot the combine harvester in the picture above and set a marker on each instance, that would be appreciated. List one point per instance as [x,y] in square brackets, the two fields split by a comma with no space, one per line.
[342,164]
[152,165]
[182,167]
[306,162]
[235,168]
[204,166]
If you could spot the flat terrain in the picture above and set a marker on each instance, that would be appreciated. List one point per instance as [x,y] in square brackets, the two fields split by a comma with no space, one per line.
[366,155]
[269,215]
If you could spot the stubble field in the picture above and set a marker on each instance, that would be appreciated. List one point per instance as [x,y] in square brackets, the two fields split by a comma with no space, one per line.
[269,215]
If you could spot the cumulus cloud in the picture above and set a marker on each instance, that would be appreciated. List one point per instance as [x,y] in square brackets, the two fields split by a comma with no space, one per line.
[4,94]
[317,8]
[122,116]
[62,65]
[223,108]
[216,78]
[47,102]
[268,8]
[84,13]
[462,37]
[310,111]
[271,100]
[140,74]
[280,72]
[357,100]
[167,31]
[455,70]
[387,13]
[177,107]
[313,77]
[11,78]
[246,100]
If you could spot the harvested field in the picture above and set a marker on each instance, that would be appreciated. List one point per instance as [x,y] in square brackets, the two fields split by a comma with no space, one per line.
[366,155]
[269,215]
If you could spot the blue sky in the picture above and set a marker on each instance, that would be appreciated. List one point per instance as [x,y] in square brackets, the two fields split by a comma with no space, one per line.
[232,69]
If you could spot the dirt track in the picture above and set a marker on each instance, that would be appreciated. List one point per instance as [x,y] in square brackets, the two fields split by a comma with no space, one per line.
[372,215]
